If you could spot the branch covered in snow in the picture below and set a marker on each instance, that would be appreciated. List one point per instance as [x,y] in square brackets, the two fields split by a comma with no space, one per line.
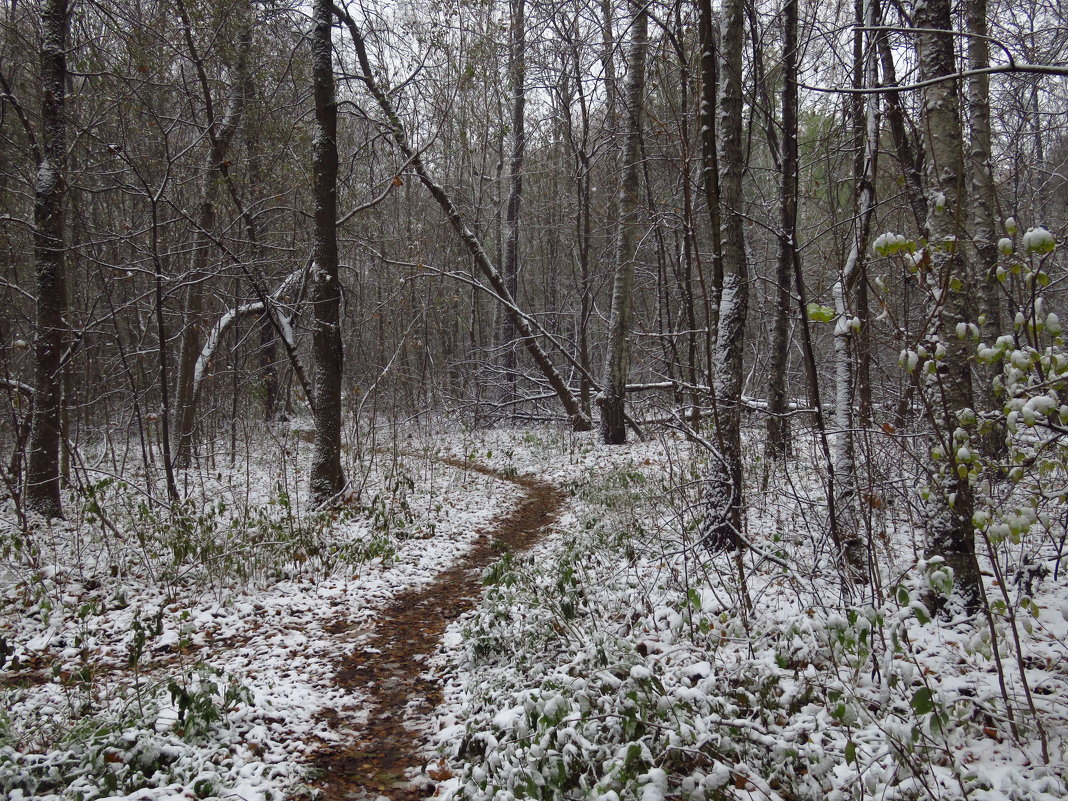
[224,323]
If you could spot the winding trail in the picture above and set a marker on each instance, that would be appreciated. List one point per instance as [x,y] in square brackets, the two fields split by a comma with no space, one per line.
[389,669]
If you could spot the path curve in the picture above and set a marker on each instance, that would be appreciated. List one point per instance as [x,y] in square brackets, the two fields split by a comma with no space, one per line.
[389,669]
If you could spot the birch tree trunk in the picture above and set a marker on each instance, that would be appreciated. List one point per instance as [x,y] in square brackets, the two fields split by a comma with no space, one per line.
[617,361]
[327,480]
[982,203]
[49,252]
[847,322]
[733,305]
[949,388]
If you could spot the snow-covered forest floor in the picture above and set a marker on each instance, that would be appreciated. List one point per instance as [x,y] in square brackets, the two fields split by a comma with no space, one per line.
[152,654]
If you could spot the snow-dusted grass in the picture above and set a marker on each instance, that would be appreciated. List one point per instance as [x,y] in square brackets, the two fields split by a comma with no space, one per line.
[181,655]
[152,653]
[621,660]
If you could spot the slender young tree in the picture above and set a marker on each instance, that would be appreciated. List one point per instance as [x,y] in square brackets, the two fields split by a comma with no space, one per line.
[848,317]
[778,425]
[510,265]
[219,134]
[735,297]
[710,170]
[327,479]
[982,201]
[617,361]
[49,251]
[949,387]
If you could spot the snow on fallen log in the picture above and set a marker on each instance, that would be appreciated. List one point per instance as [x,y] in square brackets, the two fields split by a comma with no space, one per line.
[757,404]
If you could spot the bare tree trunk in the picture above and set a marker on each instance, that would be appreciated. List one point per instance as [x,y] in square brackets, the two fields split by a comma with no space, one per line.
[327,480]
[510,262]
[219,136]
[516,157]
[710,175]
[778,424]
[617,360]
[192,314]
[734,303]
[911,163]
[982,203]
[848,319]
[949,390]
[49,250]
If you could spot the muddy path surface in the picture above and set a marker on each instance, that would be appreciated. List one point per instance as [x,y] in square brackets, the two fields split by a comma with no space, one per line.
[388,668]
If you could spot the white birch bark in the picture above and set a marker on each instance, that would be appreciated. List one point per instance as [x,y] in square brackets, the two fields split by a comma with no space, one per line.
[949,388]
[617,360]
[733,307]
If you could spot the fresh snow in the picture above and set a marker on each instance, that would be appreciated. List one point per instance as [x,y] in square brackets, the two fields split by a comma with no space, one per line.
[614,656]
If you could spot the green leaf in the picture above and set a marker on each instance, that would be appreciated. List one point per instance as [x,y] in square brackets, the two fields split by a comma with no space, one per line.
[819,314]
[923,701]
[903,596]
[851,752]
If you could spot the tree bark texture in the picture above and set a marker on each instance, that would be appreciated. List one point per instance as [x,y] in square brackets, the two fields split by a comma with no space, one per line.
[327,480]
[617,360]
[710,169]
[982,204]
[734,303]
[845,292]
[949,389]
[49,252]
[510,266]
[778,423]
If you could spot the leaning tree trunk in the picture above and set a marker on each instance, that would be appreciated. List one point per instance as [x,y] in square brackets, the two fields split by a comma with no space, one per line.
[733,305]
[579,420]
[949,389]
[49,252]
[617,360]
[327,480]
[909,161]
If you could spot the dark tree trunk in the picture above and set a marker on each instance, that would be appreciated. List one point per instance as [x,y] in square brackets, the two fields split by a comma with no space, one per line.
[778,423]
[49,251]
[910,162]
[327,480]
[710,176]
[219,135]
[510,262]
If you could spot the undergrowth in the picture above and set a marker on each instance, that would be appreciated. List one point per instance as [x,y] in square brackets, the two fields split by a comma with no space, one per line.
[627,663]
